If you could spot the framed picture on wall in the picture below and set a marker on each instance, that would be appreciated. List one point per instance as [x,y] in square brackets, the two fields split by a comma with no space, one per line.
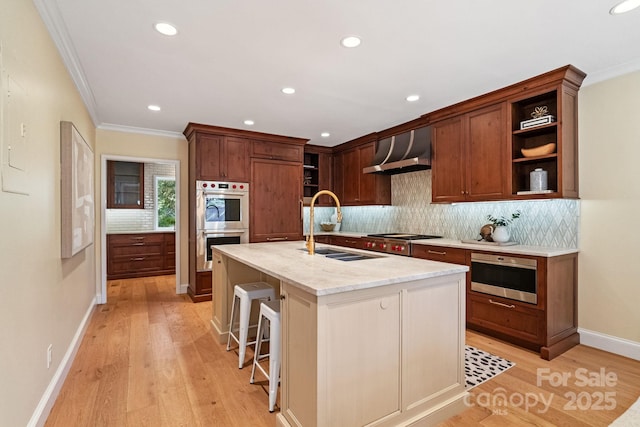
[76,191]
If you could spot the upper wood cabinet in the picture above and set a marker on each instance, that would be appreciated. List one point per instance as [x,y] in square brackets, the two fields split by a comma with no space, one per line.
[477,144]
[317,174]
[470,156]
[221,158]
[354,187]
[276,151]
[125,188]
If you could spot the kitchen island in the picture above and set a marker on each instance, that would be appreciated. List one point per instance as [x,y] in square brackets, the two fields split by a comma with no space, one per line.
[377,341]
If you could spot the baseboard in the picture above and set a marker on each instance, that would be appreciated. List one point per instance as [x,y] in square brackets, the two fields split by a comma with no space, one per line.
[620,346]
[183,288]
[43,409]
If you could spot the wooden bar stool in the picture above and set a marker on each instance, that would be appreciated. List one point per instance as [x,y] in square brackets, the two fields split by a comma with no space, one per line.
[269,312]
[243,295]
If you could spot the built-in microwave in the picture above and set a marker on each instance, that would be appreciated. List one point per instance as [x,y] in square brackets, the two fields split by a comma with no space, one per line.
[505,276]
[222,205]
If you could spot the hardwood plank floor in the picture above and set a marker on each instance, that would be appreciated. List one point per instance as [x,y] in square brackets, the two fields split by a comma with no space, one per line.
[148,359]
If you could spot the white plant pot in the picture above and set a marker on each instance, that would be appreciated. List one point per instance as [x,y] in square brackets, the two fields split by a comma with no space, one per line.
[500,234]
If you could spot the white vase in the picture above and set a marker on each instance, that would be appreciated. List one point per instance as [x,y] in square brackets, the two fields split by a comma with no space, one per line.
[500,234]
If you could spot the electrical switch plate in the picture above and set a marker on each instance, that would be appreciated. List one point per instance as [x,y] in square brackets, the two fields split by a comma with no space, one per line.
[49,354]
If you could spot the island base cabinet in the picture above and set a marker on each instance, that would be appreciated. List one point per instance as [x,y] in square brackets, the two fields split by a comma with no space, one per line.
[367,357]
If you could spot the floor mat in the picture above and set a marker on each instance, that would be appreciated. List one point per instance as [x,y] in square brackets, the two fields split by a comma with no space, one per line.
[480,366]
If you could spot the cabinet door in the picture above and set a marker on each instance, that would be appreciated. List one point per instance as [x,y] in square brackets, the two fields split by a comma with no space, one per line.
[209,154]
[362,359]
[367,181]
[338,176]
[125,185]
[447,169]
[236,159]
[487,158]
[276,201]
[351,176]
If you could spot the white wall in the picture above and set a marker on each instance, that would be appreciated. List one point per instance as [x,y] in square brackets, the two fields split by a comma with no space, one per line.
[610,192]
[43,298]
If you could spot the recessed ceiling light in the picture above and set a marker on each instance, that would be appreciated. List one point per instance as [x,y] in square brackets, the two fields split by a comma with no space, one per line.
[249,122]
[288,90]
[325,134]
[413,98]
[153,107]
[350,41]
[624,6]
[166,29]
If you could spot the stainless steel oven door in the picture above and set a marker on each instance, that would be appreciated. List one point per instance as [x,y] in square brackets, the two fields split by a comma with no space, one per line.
[207,238]
[504,276]
[222,205]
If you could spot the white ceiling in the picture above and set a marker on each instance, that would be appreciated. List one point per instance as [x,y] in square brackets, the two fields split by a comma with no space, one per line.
[231,58]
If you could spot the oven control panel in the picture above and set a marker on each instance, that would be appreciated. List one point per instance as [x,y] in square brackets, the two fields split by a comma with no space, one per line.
[220,186]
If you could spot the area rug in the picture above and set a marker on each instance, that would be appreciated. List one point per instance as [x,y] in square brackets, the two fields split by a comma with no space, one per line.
[630,418]
[480,366]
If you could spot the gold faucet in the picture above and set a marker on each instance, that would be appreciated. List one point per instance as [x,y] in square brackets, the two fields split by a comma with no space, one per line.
[311,244]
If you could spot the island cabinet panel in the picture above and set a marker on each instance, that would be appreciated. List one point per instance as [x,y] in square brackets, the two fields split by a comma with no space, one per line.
[140,255]
[276,201]
[363,361]
[366,357]
[470,156]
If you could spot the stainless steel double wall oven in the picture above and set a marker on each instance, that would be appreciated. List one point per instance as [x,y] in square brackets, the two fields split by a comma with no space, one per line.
[222,217]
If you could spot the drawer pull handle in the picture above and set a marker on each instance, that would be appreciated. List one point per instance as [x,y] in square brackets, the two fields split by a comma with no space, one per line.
[137,259]
[502,304]
[276,239]
[137,244]
[436,252]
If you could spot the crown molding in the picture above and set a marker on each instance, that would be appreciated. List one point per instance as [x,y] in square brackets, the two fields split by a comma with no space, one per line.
[144,131]
[612,72]
[50,14]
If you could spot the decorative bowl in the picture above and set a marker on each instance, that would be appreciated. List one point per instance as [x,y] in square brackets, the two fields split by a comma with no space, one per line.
[327,226]
[539,151]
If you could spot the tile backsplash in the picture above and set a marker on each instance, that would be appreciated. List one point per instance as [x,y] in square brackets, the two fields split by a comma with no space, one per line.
[552,223]
[124,220]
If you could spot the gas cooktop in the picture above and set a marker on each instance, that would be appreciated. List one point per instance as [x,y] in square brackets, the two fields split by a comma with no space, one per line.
[403,236]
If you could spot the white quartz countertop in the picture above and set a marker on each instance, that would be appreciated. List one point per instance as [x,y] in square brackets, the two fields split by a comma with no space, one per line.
[319,275]
[543,251]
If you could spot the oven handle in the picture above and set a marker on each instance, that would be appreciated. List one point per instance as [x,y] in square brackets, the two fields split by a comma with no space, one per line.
[224,193]
[223,232]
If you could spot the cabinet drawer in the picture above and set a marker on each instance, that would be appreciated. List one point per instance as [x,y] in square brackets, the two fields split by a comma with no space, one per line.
[349,242]
[505,316]
[135,238]
[136,264]
[133,249]
[440,253]
[277,151]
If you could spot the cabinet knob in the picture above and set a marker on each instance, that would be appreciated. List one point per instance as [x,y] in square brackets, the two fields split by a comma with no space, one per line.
[384,304]
[283,297]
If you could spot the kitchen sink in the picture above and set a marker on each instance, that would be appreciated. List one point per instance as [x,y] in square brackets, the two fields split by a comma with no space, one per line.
[342,256]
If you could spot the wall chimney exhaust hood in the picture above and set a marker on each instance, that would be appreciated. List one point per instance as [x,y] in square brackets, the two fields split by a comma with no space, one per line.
[406,152]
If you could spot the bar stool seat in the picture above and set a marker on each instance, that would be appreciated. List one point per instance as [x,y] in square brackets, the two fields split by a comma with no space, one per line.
[243,295]
[269,313]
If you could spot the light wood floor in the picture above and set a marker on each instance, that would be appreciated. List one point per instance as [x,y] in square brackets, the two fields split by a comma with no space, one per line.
[148,359]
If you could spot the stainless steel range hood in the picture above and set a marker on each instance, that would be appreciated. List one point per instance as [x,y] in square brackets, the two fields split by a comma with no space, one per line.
[406,152]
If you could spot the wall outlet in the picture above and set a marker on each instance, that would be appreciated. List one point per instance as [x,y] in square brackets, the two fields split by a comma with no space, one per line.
[49,352]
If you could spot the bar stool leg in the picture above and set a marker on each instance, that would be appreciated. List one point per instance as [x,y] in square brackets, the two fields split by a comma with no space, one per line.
[245,313]
[274,362]
[256,353]
[233,312]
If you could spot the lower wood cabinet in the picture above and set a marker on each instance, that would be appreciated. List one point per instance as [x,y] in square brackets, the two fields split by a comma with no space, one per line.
[549,326]
[140,255]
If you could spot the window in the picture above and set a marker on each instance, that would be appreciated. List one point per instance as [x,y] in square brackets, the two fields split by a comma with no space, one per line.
[165,206]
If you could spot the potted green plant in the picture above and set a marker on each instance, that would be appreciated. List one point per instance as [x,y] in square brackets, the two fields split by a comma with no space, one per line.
[500,232]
